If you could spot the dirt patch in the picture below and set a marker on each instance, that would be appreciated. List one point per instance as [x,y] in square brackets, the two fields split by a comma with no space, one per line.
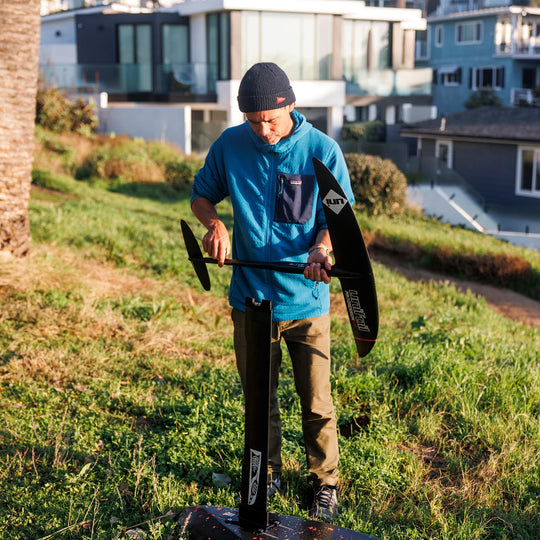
[508,303]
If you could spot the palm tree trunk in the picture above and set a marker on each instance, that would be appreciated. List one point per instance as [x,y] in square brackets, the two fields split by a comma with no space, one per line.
[19,54]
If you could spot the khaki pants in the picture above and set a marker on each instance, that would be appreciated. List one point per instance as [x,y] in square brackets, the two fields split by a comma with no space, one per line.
[308,342]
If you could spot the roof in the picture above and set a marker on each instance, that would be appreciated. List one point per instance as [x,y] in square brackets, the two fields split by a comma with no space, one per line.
[485,12]
[497,123]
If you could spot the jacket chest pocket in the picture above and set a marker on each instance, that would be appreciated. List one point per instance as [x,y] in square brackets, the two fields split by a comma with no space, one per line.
[294,198]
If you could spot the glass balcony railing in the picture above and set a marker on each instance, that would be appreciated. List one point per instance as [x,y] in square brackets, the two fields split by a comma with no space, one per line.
[198,79]
[390,82]
[193,79]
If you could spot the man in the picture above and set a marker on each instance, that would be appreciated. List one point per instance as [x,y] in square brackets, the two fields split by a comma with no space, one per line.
[265,167]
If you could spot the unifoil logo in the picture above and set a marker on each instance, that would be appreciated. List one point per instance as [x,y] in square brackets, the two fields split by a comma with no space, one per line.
[254,473]
[334,201]
[356,312]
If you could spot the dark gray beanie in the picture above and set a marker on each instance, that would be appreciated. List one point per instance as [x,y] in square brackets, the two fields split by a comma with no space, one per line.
[265,86]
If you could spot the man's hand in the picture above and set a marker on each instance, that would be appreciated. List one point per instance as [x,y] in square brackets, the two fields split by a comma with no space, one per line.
[216,241]
[318,262]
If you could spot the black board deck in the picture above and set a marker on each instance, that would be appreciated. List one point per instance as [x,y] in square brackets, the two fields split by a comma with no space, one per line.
[221,523]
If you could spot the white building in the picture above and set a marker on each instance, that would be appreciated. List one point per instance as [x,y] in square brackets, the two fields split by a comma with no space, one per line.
[344,59]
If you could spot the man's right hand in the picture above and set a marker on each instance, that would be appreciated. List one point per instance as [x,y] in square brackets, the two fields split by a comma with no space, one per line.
[216,241]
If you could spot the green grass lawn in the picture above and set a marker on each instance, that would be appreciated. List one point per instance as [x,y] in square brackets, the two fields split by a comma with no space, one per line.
[120,400]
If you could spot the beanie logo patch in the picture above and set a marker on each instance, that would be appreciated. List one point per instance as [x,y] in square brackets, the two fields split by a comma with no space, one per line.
[280,99]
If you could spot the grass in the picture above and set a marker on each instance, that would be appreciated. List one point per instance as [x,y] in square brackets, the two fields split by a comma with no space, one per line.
[120,400]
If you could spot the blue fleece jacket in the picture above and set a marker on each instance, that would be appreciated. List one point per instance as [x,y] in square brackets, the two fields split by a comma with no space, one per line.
[277,210]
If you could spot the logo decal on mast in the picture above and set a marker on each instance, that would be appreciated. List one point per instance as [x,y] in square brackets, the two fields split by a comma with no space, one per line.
[335,202]
[254,474]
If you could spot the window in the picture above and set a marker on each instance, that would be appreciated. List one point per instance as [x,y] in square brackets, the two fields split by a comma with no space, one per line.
[468,32]
[503,35]
[304,47]
[528,172]
[438,36]
[175,44]
[135,57]
[422,45]
[487,77]
[450,75]
[219,47]
[366,47]
[444,151]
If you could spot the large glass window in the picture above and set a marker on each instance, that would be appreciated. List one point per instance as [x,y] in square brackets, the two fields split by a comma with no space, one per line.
[175,44]
[219,46]
[135,57]
[528,174]
[176,74]
[366,47]
[301,43]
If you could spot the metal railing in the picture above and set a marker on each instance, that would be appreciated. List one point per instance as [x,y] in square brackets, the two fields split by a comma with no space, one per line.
[55,6]
[524,96]
[520,47]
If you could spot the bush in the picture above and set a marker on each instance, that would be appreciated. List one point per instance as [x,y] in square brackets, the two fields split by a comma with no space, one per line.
[379,187]
[121,158]
[135,160]
[483,98]
[372,131]
[56,112]
[181,172]
[500,269]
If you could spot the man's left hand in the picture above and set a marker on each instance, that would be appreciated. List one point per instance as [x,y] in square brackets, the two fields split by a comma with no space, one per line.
[318,263]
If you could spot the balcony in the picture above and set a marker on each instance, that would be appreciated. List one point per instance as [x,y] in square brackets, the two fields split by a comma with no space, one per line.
[520,49]
[524,97]
[518,36]
[188,80]
[390,82]
[55,6]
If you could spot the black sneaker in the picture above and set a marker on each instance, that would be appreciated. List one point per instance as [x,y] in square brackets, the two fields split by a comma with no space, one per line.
[325,505]
[274,487]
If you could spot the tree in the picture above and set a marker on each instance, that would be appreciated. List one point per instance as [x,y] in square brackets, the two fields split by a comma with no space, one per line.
[19,57]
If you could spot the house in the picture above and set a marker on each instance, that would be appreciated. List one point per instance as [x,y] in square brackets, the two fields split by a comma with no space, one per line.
[474,48]
[495,150]
[183,63]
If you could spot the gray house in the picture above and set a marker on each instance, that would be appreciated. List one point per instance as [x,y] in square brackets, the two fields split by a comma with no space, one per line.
[495,150]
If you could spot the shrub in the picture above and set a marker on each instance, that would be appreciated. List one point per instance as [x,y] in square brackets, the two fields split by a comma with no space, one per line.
[372,131]
[121,158]
[135,160]
[181,172]
[500,269]
[56,112]
[379,187]
[483,98]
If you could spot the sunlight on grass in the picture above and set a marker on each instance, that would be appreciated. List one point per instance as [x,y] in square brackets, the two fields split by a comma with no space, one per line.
[120,397]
